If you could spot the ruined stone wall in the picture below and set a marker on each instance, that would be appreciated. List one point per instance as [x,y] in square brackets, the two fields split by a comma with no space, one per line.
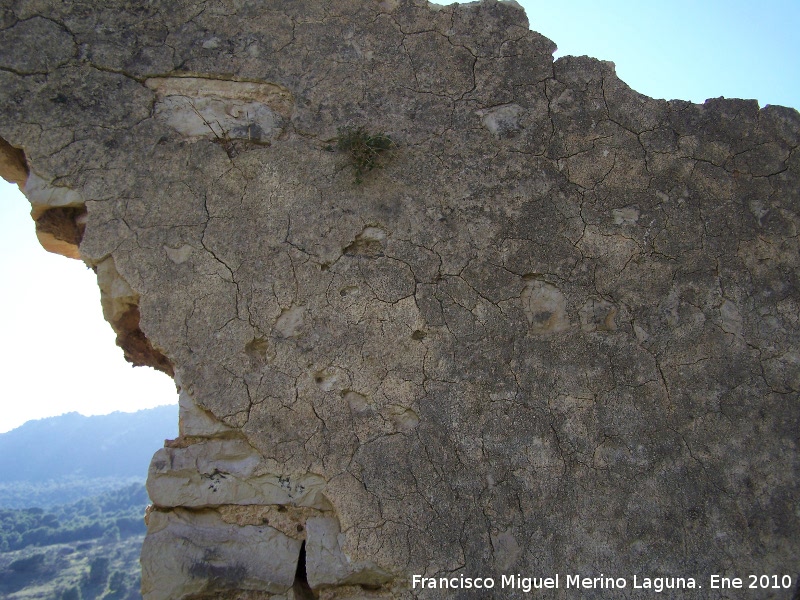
[554,331]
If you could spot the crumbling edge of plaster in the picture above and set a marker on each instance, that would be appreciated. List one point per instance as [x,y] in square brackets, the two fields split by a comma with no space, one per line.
[61,215]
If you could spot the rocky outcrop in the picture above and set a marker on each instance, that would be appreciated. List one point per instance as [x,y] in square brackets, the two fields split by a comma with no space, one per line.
[550,327]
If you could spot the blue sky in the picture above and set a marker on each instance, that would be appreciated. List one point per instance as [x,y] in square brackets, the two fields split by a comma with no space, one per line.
[59,355]
[689,50]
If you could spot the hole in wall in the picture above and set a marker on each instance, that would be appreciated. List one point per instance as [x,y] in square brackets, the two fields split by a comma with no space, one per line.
[137,348]
[301,589]
[64,223]
[13,164]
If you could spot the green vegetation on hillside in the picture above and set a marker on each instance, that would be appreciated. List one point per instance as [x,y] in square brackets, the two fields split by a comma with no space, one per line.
[111,515]
[72,503]
[87,550]
[91,570]
[55,492]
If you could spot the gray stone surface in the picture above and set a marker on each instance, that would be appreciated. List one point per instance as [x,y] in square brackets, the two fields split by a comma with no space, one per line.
[554,332]
[225,471]
[326,563]
[194,553]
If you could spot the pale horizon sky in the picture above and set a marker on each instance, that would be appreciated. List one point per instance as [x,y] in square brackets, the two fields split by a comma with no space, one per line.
[684,49]
[59,354]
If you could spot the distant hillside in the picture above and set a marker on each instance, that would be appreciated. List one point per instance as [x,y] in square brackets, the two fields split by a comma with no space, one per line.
[88,549]
[62,459]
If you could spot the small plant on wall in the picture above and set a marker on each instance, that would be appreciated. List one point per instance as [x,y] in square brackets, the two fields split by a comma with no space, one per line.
[364,148]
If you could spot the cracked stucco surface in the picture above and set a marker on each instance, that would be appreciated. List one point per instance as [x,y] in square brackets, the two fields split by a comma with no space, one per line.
[556,332]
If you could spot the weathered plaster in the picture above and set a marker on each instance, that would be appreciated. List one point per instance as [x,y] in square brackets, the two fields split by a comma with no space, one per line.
[555,332]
